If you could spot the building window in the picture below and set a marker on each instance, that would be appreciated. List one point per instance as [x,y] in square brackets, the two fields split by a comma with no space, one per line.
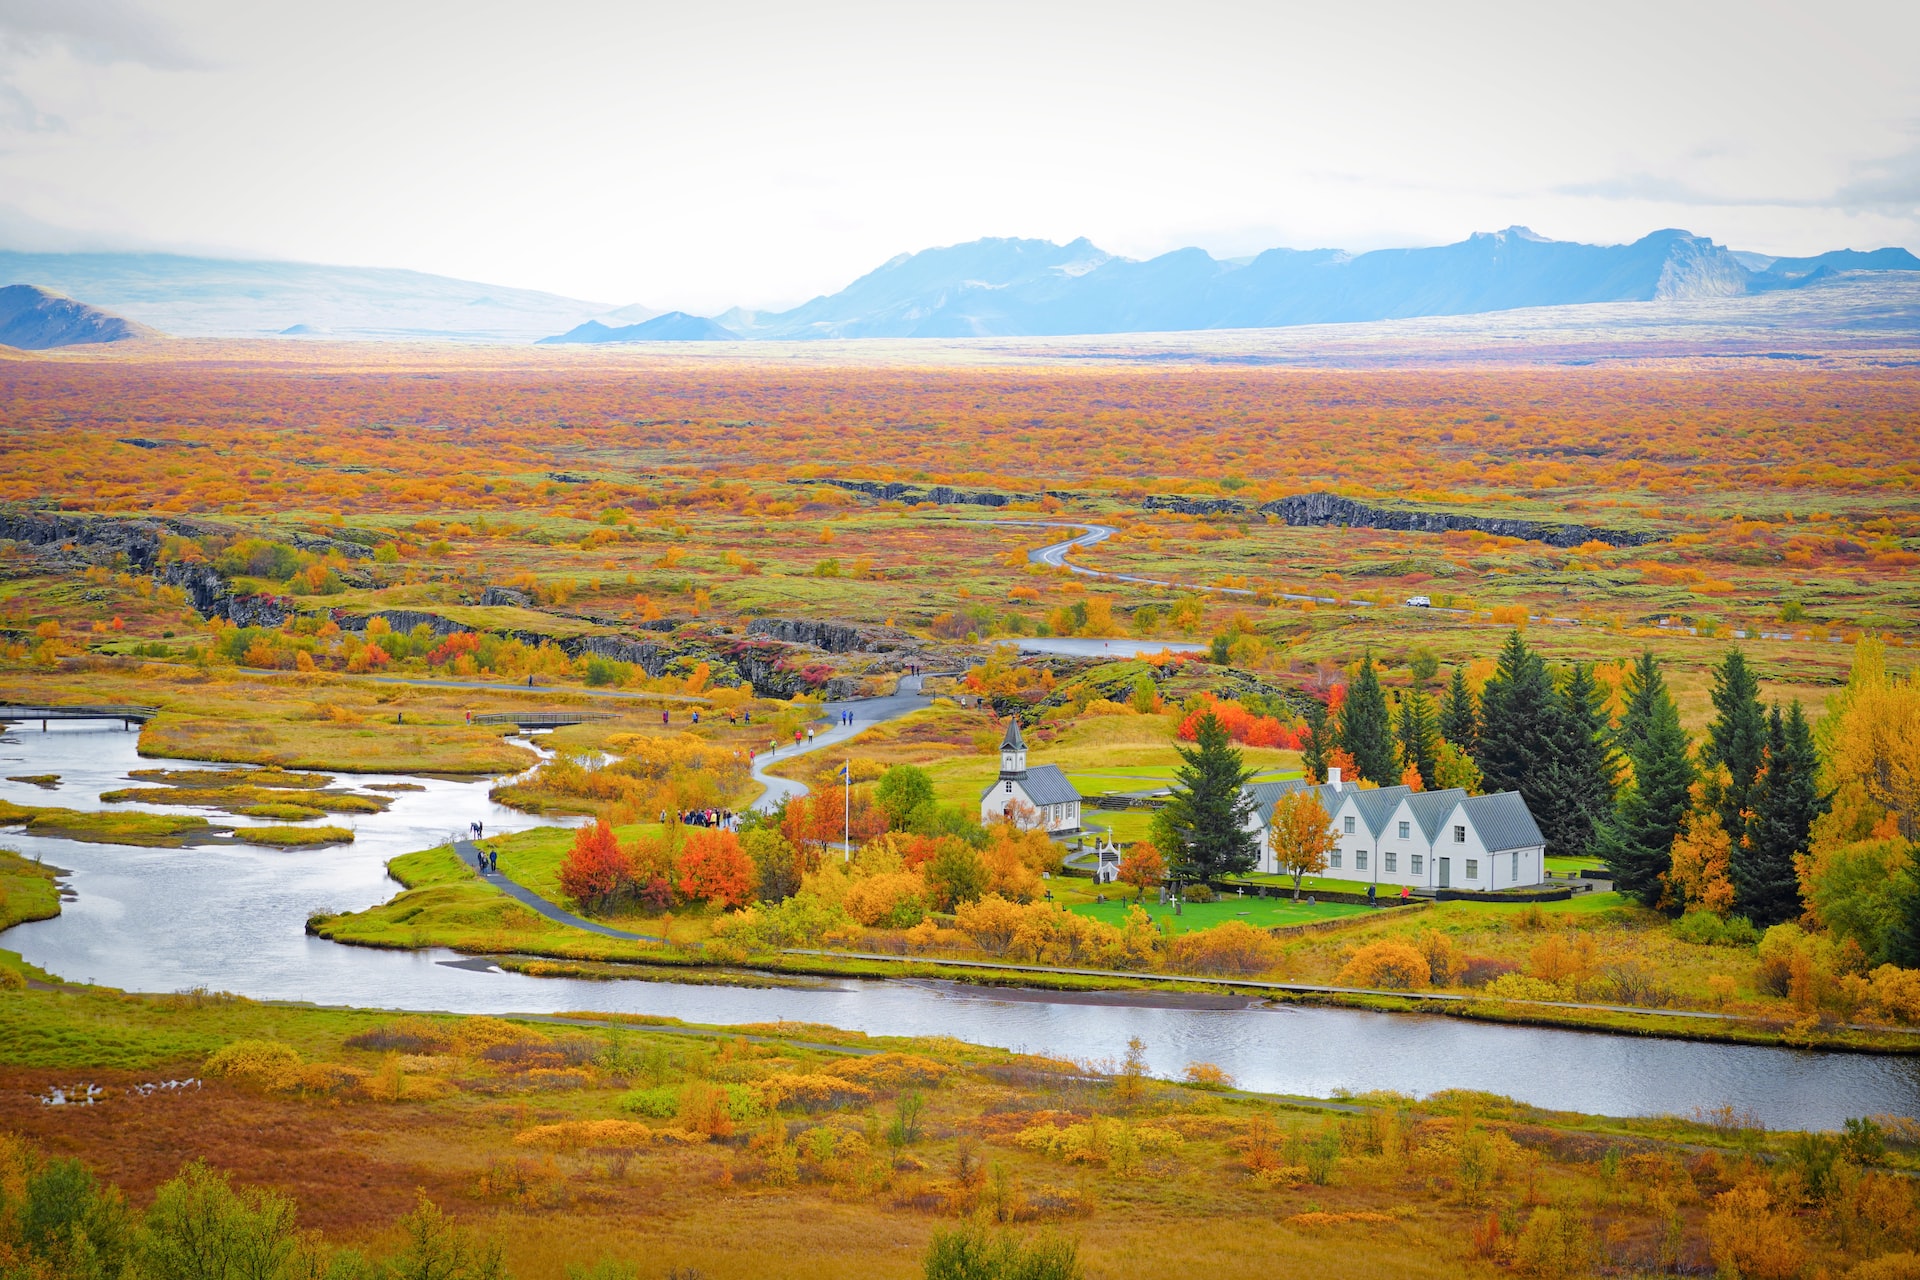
[1359,859]
[1009,788]
[1459,835]
[1516,868]
[1349,824]
[1392,858]
[1334,858]
[1416,864]
[1473,868]
[1406,830]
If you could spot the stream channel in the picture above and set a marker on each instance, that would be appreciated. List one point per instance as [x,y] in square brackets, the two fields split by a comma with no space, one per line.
[231,916]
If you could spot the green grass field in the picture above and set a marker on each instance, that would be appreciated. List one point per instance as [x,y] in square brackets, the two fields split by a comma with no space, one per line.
[1263,912]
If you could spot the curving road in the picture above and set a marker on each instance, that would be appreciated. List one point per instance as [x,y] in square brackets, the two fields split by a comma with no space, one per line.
[1054,556]
[867,712]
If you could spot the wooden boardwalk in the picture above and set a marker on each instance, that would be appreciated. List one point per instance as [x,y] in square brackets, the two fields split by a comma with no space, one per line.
[127,715]
[542,719]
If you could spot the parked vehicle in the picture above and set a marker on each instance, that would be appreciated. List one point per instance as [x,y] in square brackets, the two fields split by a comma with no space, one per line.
[1419,602]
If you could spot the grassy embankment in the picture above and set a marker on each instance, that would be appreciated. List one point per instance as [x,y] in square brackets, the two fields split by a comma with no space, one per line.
[324,722]
[28,890]
[804,1151]
[446,905]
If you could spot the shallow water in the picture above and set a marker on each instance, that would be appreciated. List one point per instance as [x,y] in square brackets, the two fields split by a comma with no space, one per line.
[230,918]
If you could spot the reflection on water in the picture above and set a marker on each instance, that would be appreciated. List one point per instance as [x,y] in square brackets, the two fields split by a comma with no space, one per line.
[230,918]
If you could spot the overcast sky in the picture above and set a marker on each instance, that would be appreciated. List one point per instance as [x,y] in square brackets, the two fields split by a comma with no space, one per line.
[699,155]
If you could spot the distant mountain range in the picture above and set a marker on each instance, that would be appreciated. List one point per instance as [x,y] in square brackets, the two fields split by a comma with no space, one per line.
[674,326]
[218,297]
[1021,288]
[34,319]
[986,288]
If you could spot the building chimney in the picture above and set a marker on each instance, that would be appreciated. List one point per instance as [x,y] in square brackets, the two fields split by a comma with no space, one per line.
[1333,778]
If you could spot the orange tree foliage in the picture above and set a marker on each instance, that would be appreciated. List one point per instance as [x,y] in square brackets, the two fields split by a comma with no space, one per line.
[595,873]
[714,868]
[1242,725]
[1301,835]
[1140,866]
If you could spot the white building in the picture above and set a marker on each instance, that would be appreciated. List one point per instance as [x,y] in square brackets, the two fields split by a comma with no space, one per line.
[1394,836]
[1038,797]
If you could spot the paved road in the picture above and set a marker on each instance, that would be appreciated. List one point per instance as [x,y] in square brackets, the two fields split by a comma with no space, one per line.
[867,712]
[520,893]
[1054,555]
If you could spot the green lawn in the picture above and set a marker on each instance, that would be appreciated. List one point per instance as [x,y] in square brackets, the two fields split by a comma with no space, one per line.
[1264,912]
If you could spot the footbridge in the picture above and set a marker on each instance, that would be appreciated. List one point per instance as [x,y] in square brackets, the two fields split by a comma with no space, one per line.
[128,716]
[542,719]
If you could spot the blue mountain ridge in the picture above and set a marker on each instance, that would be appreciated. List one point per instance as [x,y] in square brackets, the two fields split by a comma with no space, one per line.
[1024,288]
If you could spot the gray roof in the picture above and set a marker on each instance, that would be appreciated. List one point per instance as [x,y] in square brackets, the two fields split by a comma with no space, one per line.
[1376,805]
[1503,821]
[1267,794]
[1044,784]
[1430,809]
[1013,741]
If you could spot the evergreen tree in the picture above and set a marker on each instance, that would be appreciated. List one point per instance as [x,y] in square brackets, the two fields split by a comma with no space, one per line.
[1517,713]
[1643,690]
[1316,743]
[1737,738]
[1903,939]
[1419,738]
[1203,828]
[1459,718]
[1366,730]
[1577,778]
[1786,800]
[1638,843]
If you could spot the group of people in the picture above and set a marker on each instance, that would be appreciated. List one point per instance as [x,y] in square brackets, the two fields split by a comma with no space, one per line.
[489,860]
[722,819]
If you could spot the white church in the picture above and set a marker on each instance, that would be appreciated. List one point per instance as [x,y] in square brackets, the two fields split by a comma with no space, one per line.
[1036,798]
[1395,836]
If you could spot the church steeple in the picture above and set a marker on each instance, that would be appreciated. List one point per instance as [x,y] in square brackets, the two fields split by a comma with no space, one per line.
[1013,751]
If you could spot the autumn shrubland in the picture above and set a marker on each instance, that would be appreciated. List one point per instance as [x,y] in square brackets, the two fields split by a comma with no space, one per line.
[646,1147]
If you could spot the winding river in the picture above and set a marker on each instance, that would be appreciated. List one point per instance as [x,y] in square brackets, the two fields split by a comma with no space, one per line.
[229,917]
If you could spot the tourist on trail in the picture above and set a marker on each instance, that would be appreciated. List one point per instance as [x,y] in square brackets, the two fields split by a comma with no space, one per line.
[696,717]
[749,715]
[796,737]
[1372,893]
[665,718]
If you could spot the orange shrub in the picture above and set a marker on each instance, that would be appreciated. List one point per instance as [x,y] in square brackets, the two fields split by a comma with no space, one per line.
[1387,964]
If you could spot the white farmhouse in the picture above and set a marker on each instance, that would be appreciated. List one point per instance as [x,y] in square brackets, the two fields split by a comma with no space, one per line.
[1395,836]
[1040,797]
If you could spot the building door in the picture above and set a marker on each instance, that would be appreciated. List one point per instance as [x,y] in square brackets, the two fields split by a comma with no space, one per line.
[1446,866]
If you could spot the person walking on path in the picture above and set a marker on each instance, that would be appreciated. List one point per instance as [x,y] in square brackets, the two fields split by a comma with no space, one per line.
[666,717]
[1372,894]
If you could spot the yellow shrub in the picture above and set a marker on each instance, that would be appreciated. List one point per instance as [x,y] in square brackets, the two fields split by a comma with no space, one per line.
[1387,964]
[1896,993]
[889,1071]
[813,1092]
[1235,947]
[576,1135]
[1749,1236]
[1891,1266]
[887,899]
[265,1064]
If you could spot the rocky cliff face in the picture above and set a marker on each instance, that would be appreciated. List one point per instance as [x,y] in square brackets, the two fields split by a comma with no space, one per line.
[1330,509]
[834,636]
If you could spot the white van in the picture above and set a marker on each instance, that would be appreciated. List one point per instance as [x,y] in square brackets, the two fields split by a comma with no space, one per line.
[1419,602]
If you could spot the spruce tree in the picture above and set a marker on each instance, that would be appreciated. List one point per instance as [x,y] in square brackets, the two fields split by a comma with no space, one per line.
[1578,775]
[1638,843]
[1203,828]
[1786,800]
[1316,742]
[1366,730]
[1459,718]
[1737,738]
[1517,713]
[1419,738]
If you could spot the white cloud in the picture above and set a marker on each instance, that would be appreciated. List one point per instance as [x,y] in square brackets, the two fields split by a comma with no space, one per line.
[762,152]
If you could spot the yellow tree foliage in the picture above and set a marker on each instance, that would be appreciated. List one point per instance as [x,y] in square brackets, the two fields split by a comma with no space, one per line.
[1701,875]
[1873,736]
